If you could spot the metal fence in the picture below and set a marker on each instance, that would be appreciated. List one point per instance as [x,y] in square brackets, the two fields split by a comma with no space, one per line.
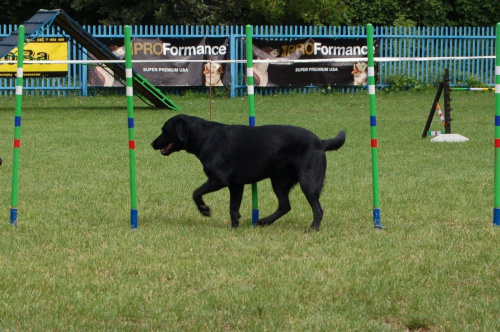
[405,42]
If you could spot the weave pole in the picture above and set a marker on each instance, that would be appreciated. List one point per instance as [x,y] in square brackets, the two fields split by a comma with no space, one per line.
[496,208]
[251,112]
[17,126]
[373,127]
[131,129]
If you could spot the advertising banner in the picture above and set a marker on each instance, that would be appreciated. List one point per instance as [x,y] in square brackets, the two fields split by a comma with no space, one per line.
[286,73]
[178,73]
[42,48]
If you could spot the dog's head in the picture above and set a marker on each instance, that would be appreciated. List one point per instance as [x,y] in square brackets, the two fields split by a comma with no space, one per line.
[359,67]
[174,135]
[213,68]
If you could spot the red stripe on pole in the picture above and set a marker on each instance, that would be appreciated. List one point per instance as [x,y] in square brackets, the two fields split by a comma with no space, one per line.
[131,145]
[17,143]
[497,143]
[374,143]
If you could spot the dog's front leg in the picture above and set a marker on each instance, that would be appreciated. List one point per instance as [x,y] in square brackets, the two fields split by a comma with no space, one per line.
[236,193]
[208,187]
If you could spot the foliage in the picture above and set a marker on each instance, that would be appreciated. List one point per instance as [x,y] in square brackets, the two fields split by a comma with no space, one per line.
[263,12]
[471,81]
[297,12]
[474,14]
[405,83]
[402,21]
[387,12]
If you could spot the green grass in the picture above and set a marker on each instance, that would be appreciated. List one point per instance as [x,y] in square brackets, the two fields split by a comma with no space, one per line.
[73,263]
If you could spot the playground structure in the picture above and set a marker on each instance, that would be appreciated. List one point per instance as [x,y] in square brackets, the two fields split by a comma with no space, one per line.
[45,19]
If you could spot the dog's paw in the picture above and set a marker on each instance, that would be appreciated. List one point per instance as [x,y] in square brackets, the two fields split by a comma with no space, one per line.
[205,210]
[262,223]
[312,229]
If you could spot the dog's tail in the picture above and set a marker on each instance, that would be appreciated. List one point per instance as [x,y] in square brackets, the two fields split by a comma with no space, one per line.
[334,143]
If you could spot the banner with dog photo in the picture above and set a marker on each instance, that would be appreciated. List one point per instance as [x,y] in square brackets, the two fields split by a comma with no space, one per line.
[288,73]
[176,73]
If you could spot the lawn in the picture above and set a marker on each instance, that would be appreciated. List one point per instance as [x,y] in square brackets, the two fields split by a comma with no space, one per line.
[73,262]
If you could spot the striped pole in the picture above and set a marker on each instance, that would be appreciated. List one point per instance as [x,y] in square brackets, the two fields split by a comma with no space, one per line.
[17,126]
[472,89]
[131,134]
[496,208]
[251,112]
[373,125]
[441,115]
[434,133]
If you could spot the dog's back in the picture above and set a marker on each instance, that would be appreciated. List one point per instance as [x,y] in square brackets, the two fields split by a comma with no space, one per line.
[250,154]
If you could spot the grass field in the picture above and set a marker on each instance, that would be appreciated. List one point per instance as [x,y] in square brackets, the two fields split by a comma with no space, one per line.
[73,263]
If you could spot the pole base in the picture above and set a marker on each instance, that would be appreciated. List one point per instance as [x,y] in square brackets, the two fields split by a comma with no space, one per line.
[134,219]
[376,218]
[496,216]
[13,217]
[255,216]
[449,138]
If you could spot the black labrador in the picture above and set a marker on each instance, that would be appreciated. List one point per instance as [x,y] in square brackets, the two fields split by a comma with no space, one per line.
[235,155]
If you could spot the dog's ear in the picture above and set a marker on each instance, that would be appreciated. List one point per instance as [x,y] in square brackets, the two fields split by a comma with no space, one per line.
[182,128]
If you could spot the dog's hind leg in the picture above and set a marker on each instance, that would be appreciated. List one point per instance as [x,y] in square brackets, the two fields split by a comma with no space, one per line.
[313,199]
[208,187]
[311,182]
[236,193]
[281,186]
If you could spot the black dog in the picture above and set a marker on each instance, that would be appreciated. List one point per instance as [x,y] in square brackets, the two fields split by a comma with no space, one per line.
[235,155]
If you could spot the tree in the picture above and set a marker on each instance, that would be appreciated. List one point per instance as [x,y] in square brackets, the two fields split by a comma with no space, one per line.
[262,12]
[386,12]
[297,12]
[18,11]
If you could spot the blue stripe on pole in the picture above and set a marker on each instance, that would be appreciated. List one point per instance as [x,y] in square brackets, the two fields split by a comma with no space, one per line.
[251,121]
[255,216]
[13,216]
[373,121]
[17,121]
[497,120]
[133,218]
[376,218]
[496,216]
[131,123]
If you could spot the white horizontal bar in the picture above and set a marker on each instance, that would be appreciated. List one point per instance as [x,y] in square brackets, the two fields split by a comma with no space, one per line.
[273,61]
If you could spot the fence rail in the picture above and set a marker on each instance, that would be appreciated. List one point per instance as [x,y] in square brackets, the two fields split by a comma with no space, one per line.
[395,42]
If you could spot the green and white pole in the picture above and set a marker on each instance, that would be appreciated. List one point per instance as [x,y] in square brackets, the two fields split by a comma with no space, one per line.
[131,128]
[496,208]
[251,112]
[17,126]
[373,126]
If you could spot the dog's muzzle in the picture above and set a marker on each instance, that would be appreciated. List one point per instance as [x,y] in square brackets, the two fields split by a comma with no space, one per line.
[167,150]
